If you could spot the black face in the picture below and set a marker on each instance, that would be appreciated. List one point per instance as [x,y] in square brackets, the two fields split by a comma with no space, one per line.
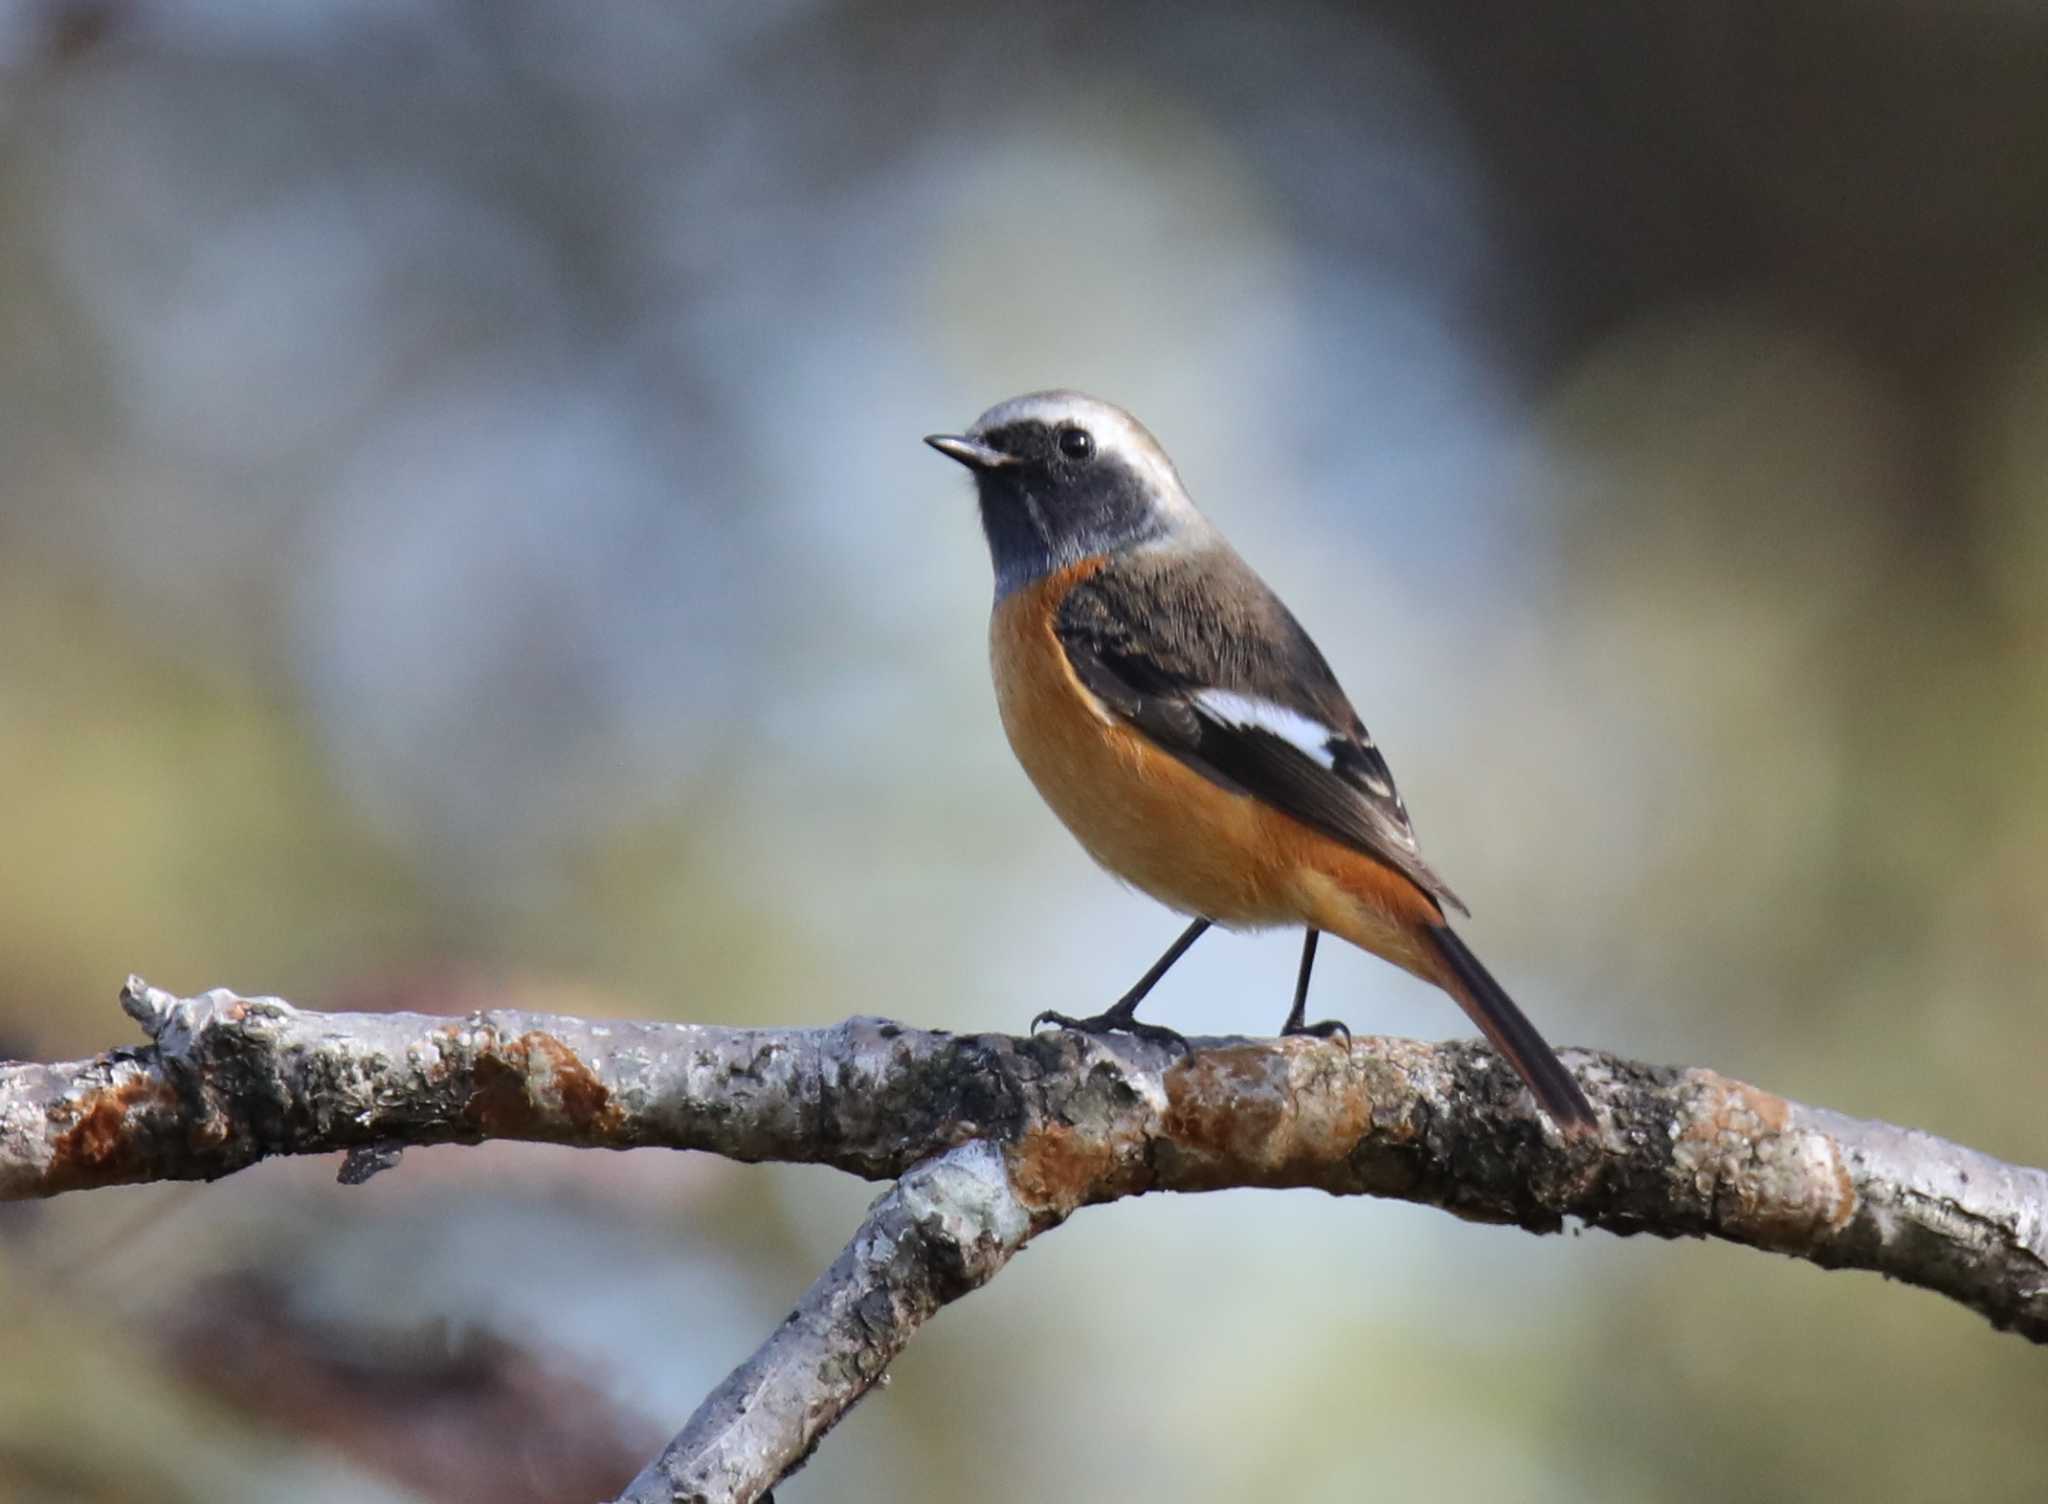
[1059,500]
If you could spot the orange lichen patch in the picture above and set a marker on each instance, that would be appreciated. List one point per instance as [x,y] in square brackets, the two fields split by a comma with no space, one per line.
[1056,1168]
[103,1144]
[585,1099]
[1730,1105]
[499,1105]
[1767,1181]
[1254,1114]
[537,1087]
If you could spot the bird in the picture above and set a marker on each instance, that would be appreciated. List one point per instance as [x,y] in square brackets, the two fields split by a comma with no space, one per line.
[1188,732]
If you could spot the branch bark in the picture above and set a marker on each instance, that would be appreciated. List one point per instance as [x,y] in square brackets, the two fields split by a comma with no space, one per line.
[993,1139]
[944,1229]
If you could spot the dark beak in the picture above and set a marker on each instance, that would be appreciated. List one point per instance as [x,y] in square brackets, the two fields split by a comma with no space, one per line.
[974,456]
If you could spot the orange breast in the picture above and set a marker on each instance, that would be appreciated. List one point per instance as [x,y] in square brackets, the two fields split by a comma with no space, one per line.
[1164,828]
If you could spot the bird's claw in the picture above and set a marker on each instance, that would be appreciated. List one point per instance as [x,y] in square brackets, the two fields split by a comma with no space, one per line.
[1115,1023]
[1327,1029]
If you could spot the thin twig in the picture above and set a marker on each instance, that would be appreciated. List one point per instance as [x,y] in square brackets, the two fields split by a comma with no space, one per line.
[943,1229]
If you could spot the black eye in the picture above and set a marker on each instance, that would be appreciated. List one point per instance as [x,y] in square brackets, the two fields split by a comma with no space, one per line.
[1076,443]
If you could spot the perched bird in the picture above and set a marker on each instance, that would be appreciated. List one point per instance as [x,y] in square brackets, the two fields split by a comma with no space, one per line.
[1181,723]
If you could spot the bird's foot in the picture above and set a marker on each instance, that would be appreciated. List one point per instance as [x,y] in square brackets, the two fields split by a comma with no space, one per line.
[1115,1022]
[1329,1028]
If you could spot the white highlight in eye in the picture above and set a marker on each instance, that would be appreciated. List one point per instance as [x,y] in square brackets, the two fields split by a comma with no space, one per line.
[1300,731]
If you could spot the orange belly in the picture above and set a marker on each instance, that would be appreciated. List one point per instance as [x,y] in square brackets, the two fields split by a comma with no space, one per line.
[1167,830]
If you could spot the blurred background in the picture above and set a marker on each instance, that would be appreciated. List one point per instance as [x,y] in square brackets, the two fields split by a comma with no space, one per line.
[464,539]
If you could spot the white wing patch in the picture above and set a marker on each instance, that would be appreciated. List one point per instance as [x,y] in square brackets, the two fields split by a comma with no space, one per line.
[1305,733]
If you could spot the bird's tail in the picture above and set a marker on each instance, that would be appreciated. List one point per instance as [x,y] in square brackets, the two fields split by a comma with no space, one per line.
[1505,1026]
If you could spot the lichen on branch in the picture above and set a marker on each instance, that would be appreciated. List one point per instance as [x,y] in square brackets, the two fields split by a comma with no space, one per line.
[995,1139]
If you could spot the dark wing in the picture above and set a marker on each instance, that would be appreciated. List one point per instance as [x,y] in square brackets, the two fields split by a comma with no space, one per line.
[1208,663]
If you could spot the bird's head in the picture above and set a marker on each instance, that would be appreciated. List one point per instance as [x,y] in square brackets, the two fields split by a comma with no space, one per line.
[1063,477]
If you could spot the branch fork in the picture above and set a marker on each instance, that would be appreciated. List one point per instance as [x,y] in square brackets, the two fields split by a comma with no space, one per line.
[992,1140]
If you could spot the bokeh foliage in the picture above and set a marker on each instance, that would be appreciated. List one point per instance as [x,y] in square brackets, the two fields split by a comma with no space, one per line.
[463,536]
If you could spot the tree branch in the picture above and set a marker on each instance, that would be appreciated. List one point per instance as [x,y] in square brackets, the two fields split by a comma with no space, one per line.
[943,1229]
[997,1138]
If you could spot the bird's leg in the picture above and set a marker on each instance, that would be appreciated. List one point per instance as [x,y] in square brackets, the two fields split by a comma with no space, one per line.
[1294,1024]
[1123,1019]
